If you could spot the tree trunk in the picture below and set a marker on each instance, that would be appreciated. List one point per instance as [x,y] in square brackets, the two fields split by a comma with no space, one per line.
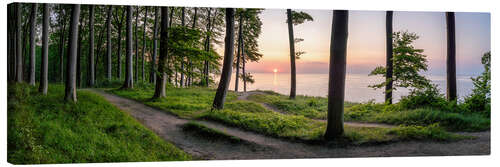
[119,56]
[182,56]
[291,40]
[44,77]
[62,21]
[108,43]
[220,95]
[388,51]
[136,68]
[19,52]
[79,56]
[91,71]
[10,37]
[72,45]
[144,41]
[190,79]
[34,8]
[207,48]
[236,81]
[244,73]
[451,74]
[336,79]
[152,75]
[97,53]
[162,66]
[129,81]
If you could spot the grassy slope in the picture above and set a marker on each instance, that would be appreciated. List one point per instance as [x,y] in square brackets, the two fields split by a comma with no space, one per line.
[44,129]
[194,103]
[316,108]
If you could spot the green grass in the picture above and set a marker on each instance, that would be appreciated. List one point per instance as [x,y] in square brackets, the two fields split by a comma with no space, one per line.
[380,113]
[185,103]
[307,106]
[209,133]
[194,103]
[316,108]
[45,129]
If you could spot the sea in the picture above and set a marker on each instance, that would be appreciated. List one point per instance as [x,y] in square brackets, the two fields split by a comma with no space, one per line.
[356,89]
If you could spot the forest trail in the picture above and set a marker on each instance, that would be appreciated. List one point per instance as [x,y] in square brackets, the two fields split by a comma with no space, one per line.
[244,96]
[257,146]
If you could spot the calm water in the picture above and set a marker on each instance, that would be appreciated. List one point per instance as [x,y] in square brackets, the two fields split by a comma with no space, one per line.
[357,89]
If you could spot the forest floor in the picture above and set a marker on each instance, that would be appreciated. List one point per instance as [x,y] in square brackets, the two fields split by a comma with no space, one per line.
[257,146]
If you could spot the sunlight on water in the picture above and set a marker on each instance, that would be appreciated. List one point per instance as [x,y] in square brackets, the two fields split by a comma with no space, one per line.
[357,89]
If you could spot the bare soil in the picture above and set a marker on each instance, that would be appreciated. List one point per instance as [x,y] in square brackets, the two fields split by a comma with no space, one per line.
[258,146]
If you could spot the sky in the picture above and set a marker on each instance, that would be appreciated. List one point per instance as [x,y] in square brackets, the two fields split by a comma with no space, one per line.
[366,40]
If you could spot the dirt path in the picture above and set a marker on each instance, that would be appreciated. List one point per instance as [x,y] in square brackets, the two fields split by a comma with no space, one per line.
[259,146]
[244,96]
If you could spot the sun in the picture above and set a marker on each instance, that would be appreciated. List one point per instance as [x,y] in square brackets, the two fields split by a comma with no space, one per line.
[275,70]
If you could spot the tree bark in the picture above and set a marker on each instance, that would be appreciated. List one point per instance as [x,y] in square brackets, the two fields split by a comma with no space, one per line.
[34,8]
[79,56]
[44,77]
[244,73]
[136,68]
[162,66]
[129,81]
[152,75]
[91,71]
[144,41]
[388,62]
[182,57]
[108,43]
[291,40]
[10,43]
[19,52]
[220,95]
[336,79]
[236,81]
[62,21]
[451,74]
[190,78]
[207,47]
[72,45]
[119,56]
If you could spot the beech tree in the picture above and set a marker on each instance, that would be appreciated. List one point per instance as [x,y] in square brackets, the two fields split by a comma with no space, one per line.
[451,73]
[388,62]
[44,66]
[70,89]
[34,8]
[90,63]
[108,42]
[19,55]
[294,18]
[220,95]
[162,66]
[152,75]
[144,41]
[337,73]
[129,76]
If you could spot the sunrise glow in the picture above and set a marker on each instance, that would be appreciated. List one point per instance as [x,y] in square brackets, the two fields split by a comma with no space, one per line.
[275,70]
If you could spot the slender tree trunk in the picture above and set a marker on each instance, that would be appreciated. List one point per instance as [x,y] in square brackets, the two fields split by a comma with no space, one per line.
[236,81]
[136,68]
[108,43]
[291,40]
[71,62]
[25,54]
[220,95]
[19,55]
[129,81]
[155,46]
[91,70]
[388,50]
[144,41]
[336,79]
[62,20]
[97,53]
[162,66]
[119,56]
[79,56]
[195,17]
[34,8]
[207,47]
[451,74]
[182,57]
[9,42]
[44,77]
[244,73]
